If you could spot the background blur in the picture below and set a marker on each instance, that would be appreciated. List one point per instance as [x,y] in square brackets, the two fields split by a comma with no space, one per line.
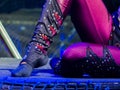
[19,18]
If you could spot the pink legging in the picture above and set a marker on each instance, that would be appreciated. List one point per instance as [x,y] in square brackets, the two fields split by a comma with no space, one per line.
[91,19]
[94,25]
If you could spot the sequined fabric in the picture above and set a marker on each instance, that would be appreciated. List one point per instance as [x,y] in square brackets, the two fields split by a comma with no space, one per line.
[93,59]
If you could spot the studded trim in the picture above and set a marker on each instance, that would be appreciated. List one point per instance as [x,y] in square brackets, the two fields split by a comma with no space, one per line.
[52,30]
[57,67]
[42,38]
[92,64]
[100,65]
[115,34]
[106,60]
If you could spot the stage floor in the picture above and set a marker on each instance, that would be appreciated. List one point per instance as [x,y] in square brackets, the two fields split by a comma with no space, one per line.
[9,64]
[44,75]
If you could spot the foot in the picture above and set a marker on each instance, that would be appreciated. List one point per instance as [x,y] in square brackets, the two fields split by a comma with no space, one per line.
[32,59]
[23,70]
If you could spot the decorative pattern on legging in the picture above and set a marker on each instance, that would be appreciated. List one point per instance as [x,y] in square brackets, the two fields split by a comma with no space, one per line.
[91,64]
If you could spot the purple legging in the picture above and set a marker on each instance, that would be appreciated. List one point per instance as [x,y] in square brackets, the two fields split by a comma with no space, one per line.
[94,25]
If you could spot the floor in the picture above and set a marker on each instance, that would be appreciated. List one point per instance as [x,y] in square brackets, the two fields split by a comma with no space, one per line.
[45,75]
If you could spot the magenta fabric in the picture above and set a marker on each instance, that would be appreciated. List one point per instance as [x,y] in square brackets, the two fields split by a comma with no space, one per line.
[94,25]
[93,55]
[92,20]
[77,51]
[65,6]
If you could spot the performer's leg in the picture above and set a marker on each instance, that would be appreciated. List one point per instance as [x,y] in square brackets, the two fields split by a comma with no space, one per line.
[94,24]
[92,21]
[48,26]
[93,59]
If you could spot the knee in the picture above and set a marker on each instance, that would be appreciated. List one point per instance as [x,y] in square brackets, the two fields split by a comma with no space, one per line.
[75,51]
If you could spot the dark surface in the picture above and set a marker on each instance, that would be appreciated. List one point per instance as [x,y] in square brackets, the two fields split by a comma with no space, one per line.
[8,6]
[112,5]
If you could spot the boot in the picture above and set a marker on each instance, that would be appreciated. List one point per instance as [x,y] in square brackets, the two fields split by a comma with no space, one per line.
[47,27]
